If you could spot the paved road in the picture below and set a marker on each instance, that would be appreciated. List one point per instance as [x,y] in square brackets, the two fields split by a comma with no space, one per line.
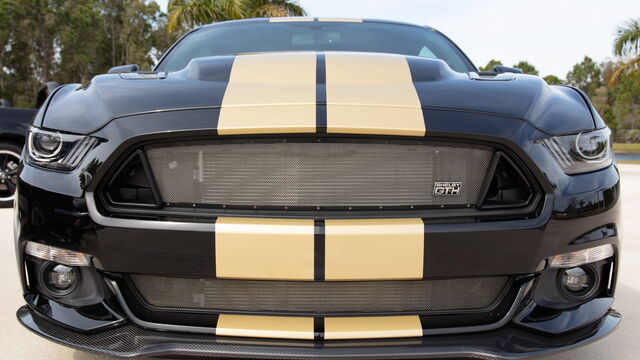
[18,343]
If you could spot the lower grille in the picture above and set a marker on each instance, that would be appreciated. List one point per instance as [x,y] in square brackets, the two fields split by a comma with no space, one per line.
[319,174]
[321,297]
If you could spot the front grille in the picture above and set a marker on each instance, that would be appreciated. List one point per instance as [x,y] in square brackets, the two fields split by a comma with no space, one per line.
[321,297]
[318,174]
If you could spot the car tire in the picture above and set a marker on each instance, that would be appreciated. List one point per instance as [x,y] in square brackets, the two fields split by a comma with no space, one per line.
[9,161]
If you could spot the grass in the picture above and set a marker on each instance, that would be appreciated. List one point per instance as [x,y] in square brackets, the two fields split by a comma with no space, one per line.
[626,148]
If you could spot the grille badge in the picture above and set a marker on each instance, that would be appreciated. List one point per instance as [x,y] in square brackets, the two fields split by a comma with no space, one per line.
[447,187]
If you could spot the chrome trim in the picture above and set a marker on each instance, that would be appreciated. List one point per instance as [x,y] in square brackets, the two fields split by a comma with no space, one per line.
[100,219]
[143,224]
[524,289]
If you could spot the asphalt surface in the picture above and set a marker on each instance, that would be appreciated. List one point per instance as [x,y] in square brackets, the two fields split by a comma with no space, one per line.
[18,343]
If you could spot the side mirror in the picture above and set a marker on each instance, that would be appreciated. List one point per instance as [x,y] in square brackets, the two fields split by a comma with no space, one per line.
[44,91]
[123,69]
[504,69]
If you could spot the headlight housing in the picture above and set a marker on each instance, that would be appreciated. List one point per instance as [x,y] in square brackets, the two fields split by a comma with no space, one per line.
[56,150]
[583,152]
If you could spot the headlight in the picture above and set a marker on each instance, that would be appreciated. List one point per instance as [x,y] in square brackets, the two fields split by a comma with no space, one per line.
[57,150]
[583,152]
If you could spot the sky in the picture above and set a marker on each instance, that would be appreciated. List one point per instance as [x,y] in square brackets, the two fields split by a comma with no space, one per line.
[553,35]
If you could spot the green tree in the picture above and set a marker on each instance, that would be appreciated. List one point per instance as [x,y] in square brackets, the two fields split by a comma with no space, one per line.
[626,103]
[526,68]
[78,55]
[273,8]
[627,44]
[130,30]
[190,13]
[71,41]
[553,80]
[7,18]
[619,105]
[604,98]
[490,65]
[39,23]
[585,75]
[28,54]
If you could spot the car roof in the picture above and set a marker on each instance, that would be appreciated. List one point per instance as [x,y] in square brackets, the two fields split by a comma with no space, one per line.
[294,18]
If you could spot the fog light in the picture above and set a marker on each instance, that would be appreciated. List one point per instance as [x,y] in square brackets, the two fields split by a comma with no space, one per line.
[60,279]
[578,282]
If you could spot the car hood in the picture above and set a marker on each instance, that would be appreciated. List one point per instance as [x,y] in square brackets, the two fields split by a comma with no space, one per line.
[299,92]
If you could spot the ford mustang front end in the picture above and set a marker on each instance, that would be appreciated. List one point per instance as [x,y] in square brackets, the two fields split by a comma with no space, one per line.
[318,188]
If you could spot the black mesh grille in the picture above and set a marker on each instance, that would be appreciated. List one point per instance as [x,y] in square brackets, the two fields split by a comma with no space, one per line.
[321,297]
[313,174]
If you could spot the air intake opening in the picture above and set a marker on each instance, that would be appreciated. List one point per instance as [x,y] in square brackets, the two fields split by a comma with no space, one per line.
[508,186]
[302,174]
[132,184]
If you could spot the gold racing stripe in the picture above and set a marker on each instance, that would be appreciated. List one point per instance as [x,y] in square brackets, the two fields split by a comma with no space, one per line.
[283,327]
[372,327]
[270,93]
[264,249]
[372,94]
[374,249]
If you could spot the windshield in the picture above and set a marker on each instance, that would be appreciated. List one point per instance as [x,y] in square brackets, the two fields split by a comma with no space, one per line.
[237,38]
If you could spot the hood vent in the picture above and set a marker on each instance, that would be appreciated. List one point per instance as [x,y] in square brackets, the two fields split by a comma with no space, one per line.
[491,76]
[132,184]
[507,187]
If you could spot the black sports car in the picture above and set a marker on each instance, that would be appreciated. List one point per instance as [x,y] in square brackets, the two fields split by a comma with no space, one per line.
[318,188]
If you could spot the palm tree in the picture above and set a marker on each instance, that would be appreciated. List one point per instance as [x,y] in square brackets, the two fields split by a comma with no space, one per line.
[191,13]
[273,8]
[627,45]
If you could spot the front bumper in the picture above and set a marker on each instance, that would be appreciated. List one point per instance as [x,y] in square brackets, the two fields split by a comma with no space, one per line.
[578,212]
[129,341]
